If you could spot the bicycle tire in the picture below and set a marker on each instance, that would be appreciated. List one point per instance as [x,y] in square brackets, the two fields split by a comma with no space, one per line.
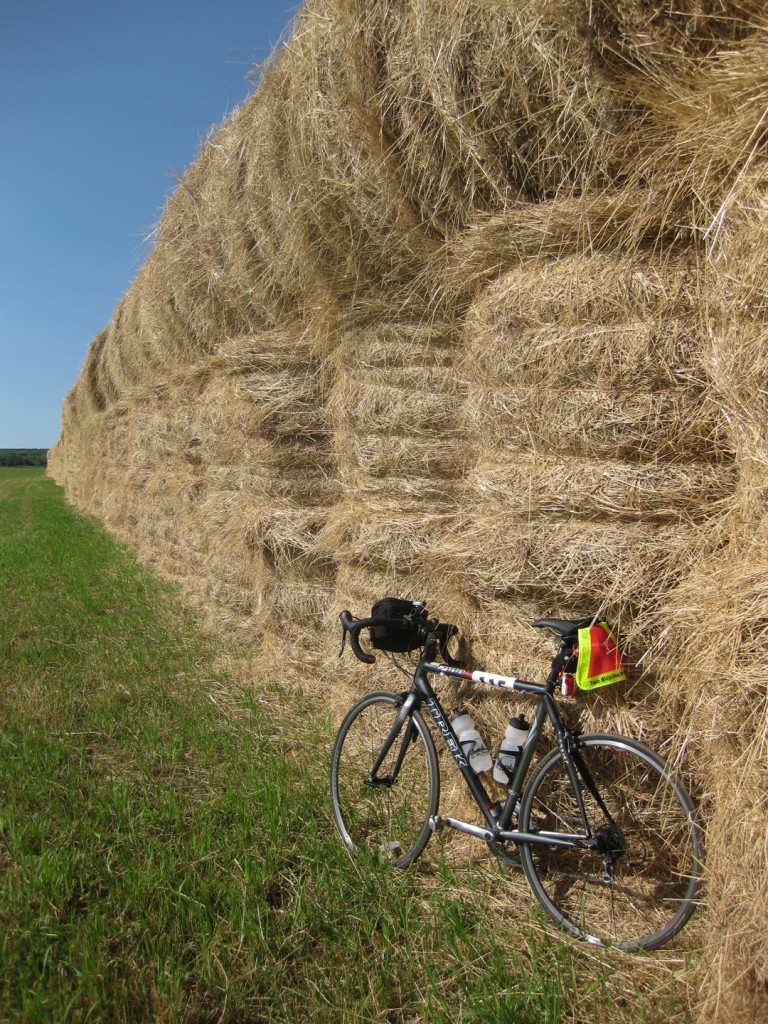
[389,821]
[652,889]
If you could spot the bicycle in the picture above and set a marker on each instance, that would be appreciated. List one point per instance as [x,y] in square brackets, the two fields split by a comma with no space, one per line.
[609,840]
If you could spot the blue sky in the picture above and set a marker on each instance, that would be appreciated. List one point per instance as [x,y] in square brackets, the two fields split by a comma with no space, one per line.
[102,102]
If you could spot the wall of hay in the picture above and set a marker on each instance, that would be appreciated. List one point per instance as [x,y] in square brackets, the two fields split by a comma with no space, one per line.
[468,302]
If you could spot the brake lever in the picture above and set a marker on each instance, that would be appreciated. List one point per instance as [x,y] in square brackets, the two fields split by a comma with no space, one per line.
[445,634]
[343,642]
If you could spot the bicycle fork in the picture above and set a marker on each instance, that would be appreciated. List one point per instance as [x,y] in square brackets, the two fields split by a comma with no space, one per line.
[404,713]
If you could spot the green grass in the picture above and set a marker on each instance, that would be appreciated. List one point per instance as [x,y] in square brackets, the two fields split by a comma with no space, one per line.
[166,852]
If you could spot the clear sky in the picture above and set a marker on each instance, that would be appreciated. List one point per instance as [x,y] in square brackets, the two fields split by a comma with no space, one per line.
[102,102]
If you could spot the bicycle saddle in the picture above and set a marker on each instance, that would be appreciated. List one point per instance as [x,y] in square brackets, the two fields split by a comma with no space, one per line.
[564,627]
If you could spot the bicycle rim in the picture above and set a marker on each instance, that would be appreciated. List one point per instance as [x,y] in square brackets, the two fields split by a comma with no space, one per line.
[641,886]
[390,820]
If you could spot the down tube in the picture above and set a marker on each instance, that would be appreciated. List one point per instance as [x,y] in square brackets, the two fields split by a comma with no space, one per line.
[451,740]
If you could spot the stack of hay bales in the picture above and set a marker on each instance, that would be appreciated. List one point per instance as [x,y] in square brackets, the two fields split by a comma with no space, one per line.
[468,303]
[582,495]
[717,616]
[394,410]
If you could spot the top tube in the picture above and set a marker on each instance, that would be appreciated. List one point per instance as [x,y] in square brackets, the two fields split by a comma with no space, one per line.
[487,678]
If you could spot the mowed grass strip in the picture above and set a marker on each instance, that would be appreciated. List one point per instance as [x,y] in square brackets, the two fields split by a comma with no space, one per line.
[166,852]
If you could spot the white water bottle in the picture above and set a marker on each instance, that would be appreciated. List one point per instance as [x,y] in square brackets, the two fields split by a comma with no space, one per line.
[471,743]
[509,751]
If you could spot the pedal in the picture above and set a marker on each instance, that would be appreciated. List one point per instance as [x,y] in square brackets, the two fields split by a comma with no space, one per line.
[436,823]
[389,848]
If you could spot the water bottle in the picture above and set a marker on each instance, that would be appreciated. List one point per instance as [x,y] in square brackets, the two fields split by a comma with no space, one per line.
[509,751]
[471,743]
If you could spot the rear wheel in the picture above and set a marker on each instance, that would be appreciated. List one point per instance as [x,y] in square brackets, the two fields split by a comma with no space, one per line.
[638,886]
[387,815]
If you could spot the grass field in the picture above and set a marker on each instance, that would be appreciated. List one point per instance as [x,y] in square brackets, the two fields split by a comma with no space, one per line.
[166,852]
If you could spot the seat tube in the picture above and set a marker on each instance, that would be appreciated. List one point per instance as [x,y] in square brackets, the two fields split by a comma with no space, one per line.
[523,764]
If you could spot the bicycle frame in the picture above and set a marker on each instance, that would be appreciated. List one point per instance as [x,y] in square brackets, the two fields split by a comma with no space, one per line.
[422,693]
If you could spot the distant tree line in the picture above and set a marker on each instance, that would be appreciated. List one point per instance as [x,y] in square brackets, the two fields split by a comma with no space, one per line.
[23,456]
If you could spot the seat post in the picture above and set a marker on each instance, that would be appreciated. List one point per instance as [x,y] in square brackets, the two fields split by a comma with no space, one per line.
[558,662]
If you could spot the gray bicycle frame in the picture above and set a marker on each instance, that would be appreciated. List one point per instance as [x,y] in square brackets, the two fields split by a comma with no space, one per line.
[422,693]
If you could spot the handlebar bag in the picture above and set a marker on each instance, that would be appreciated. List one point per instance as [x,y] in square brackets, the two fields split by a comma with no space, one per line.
[395,636]
[599,660]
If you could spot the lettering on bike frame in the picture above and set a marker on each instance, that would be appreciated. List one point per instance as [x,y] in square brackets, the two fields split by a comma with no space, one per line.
[493,679]
[489,678]
[445,729]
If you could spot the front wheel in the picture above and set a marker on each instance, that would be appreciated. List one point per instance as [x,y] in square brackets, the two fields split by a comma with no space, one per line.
[638,883]
[385,812]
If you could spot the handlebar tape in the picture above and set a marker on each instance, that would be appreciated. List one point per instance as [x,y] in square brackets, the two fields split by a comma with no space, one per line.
[353,627]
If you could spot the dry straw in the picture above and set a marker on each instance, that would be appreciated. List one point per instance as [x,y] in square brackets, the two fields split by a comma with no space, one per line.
[467,302]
